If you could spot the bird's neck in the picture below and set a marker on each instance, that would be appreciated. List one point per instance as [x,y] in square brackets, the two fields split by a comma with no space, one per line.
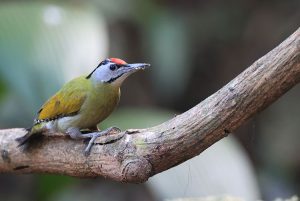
[106,88]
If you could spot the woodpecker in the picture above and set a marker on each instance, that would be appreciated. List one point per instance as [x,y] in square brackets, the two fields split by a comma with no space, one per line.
[83,103]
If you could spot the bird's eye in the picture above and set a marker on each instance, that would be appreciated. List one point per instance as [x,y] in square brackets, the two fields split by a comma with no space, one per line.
[113,67]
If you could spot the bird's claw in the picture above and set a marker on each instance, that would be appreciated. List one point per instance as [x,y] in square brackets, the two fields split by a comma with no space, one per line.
[95,135]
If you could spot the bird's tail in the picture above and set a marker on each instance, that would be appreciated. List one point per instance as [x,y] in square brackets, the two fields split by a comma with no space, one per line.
[22,140]
[31,134]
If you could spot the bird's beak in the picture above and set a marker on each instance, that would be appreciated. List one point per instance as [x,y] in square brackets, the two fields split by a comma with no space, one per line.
[130,68]
[127,69]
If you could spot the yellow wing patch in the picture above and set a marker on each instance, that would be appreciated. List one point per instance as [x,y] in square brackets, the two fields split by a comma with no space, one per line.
[66,102]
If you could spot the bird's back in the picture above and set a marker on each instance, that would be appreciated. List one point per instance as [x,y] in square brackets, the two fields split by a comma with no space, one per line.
[66,102]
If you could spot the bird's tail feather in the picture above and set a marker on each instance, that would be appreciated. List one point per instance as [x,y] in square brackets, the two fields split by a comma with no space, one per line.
[31,135]
[24,139]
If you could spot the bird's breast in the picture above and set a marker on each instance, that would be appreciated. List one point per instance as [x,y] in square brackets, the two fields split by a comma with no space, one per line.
[100,104]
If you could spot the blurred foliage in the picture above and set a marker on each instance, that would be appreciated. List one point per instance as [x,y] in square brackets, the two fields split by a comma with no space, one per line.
[51,185]
[136,118]
[3,89]
[32,54]
[194,47]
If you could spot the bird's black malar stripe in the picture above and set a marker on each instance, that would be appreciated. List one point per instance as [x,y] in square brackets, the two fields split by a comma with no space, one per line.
[114,78]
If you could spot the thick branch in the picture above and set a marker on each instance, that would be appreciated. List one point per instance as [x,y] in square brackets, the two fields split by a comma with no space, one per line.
[136,156]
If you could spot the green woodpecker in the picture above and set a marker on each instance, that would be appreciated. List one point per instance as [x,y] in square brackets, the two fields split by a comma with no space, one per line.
[83,102]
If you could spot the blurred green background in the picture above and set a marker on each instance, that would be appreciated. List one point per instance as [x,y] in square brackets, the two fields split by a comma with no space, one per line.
[195,47]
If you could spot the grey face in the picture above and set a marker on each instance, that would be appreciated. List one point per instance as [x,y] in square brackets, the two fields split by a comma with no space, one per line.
[109,72]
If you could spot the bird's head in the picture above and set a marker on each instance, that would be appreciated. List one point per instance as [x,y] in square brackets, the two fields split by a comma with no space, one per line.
[114,71]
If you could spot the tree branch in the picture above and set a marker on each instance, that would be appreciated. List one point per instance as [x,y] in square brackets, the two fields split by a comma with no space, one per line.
[134,156]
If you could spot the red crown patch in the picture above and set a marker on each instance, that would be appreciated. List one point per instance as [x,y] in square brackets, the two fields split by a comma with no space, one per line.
[118,61]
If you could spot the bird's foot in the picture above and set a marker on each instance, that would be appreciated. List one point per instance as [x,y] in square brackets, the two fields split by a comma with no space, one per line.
[75,133]
[94,135]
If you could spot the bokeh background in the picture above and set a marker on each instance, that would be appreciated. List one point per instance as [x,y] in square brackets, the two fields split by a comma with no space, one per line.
[195,47]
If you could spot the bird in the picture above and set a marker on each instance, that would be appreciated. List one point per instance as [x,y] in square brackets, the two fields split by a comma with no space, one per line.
[82,103]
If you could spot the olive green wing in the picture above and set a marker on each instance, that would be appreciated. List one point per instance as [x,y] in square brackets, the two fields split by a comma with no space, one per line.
[66,102]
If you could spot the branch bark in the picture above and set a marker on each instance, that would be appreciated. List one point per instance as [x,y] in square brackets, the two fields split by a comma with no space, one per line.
[136,155]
